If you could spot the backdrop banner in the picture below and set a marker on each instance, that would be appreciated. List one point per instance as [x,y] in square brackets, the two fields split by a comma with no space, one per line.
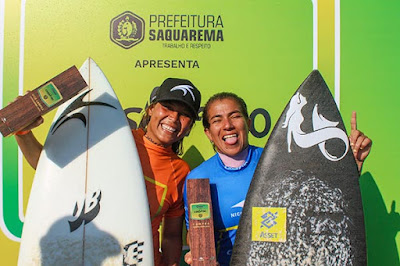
[260,50]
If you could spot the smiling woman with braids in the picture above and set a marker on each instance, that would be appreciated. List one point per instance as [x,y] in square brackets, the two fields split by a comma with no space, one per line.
[167,120]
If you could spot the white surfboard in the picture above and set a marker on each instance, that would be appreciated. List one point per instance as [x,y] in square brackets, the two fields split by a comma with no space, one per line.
[88,204]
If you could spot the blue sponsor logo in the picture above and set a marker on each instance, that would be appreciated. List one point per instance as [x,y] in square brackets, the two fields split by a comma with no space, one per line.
[269,219]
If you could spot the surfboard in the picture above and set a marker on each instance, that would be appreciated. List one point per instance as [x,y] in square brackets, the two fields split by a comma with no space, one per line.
[304,205]
[88,203]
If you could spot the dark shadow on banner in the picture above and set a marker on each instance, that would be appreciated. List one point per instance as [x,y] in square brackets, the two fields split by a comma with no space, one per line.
[193,157]
[381,225]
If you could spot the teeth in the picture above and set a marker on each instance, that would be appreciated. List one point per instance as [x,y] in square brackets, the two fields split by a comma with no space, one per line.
[229,136]
[168,128]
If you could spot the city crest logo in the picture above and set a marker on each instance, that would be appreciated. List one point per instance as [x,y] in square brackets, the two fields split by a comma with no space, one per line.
[127,29]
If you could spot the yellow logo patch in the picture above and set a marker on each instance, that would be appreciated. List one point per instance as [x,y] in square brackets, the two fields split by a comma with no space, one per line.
[200,211]
[49,94]
[268,224]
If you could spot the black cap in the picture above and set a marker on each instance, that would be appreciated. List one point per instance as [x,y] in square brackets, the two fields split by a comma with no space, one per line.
[181,90]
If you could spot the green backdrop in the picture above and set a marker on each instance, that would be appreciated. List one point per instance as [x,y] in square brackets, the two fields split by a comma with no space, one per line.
[261,50]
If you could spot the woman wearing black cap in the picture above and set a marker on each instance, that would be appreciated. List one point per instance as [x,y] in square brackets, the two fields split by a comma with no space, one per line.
[167,120]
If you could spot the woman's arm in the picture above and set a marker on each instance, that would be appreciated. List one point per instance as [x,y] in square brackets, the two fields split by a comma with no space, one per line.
[29,145]
[171,244]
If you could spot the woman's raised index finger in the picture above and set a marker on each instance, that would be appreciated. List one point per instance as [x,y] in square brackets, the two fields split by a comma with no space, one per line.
[353,121]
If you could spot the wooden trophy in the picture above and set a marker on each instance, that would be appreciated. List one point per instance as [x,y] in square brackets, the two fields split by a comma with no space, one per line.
[40,101]
[201,225]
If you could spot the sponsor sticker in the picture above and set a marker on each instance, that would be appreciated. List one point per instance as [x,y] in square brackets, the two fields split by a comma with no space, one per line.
[200,211]
[133,253]
[268,224]
[49,94]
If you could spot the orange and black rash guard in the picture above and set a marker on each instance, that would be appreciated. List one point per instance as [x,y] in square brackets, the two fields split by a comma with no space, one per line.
[164,173]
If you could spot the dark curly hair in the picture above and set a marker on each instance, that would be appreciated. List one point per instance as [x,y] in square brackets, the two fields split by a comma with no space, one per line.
[221,96]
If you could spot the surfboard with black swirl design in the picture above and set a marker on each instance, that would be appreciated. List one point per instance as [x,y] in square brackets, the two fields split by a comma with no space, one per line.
[88,204]
[304,203]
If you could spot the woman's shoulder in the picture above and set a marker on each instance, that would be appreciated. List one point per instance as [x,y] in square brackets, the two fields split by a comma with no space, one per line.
[178,160]
[257,151]
[204,167]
